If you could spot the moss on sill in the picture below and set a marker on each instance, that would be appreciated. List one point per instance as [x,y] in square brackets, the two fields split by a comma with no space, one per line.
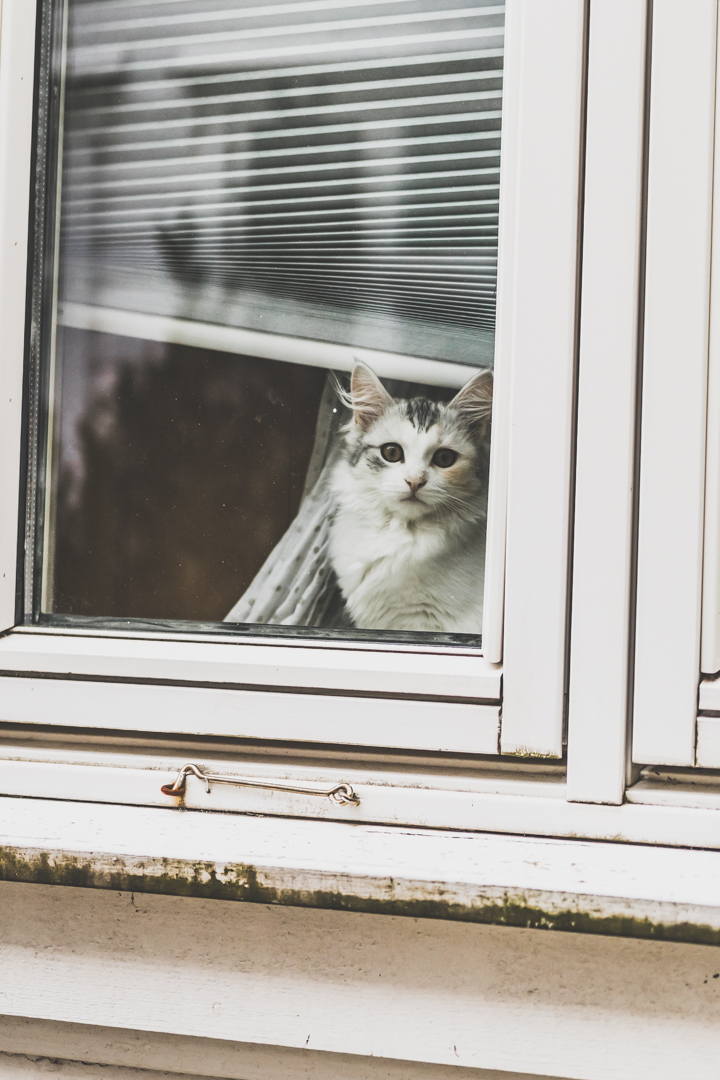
[241,882]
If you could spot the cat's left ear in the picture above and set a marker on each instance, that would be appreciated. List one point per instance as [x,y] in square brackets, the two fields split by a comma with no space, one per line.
[474,401]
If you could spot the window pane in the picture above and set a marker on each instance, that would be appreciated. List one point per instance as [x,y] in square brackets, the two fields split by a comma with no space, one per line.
[250,200]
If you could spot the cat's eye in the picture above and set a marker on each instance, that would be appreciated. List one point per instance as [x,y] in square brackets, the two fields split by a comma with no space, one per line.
[444,457]
[392,452]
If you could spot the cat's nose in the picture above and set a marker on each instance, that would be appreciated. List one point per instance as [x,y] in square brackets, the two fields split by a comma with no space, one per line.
[414,485]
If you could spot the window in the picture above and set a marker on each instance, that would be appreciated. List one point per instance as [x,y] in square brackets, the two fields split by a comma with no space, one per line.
[219,232]
[230,208]
[674,651]
[249,200]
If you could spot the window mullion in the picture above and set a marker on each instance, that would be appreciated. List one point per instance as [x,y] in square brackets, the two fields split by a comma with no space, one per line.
[604,481]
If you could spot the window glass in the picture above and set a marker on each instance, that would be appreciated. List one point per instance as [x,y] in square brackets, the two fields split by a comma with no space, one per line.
[264,295]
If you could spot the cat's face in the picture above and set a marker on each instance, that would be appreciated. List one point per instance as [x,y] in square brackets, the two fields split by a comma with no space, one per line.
[416,458]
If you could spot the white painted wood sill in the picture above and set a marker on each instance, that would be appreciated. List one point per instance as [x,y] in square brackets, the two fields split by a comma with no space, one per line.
[574,885]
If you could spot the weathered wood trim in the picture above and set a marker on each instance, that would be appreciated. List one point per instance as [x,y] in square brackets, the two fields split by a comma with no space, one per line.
[564,885]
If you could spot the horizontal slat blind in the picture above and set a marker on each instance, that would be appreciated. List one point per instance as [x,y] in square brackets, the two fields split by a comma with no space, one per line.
[320,168]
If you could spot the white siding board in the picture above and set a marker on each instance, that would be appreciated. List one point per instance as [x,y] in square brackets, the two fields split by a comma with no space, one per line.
[449,995]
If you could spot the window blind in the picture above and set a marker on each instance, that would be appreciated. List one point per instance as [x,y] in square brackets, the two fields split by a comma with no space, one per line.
[320,169]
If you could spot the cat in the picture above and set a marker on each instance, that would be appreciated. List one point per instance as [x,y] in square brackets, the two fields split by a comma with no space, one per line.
[407,538]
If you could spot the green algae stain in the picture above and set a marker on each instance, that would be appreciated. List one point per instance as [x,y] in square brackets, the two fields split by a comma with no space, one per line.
[240,882]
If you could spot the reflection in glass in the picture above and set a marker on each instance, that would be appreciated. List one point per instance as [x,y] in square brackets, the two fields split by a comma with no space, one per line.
[237,179]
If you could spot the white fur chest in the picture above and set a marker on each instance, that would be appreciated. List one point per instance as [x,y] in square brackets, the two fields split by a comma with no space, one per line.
[396,576]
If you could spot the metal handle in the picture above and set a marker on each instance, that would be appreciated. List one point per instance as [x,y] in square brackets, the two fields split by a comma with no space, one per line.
[341,793]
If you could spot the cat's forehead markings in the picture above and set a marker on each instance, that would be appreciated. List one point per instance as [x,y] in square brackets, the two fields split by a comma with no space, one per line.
[419,440]
[422,413]
[405,427]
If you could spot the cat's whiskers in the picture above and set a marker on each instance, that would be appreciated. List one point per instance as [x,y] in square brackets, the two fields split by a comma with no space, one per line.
[454,504]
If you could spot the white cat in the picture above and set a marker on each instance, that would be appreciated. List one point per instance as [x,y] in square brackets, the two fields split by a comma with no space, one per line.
[407,540]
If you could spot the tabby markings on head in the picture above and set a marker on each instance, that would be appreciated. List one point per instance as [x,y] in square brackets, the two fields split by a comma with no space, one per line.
[408,534]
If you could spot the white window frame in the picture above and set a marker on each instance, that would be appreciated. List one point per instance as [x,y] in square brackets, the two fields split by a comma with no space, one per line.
[676,706]
[467,684]
[645,618]
[377,715]
[679,417]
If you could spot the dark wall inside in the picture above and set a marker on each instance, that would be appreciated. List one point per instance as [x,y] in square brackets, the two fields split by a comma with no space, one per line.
[176,471]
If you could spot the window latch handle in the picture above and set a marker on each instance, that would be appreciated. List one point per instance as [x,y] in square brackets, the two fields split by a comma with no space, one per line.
[340,793]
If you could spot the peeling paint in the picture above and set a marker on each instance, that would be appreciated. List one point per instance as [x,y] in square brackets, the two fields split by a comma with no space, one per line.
[525,754]
[241,882]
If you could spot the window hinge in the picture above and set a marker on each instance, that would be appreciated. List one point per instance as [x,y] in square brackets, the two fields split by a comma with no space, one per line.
[340,793]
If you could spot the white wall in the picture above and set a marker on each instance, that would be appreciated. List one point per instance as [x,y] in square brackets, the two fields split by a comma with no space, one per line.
[247,991]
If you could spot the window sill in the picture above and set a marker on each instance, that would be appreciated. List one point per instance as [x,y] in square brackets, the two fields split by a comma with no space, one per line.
[568,885]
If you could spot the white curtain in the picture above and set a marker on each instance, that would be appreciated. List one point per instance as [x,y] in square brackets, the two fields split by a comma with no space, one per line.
[296,586]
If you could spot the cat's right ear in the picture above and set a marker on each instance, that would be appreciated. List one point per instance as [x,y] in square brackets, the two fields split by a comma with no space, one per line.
[369,397]
[474,401]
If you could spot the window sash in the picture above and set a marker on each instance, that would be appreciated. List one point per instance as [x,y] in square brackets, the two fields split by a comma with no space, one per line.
[674,387]
[536,331]
[320,695]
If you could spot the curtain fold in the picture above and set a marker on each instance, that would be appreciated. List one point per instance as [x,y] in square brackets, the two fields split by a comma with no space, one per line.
[296,585]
